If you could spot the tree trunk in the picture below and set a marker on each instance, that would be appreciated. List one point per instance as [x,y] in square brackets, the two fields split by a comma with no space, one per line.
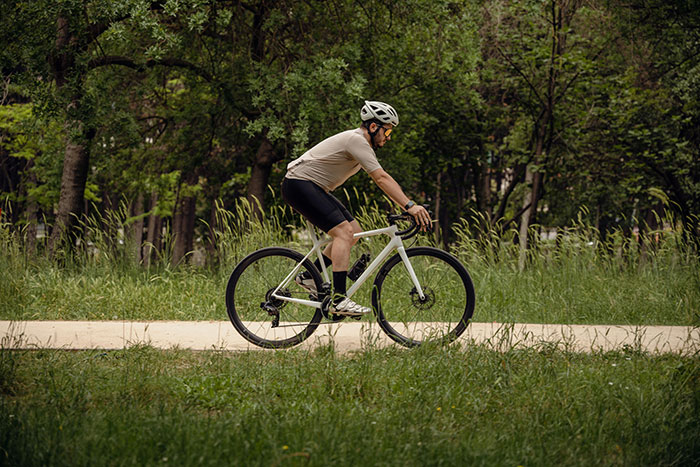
[543,128]
[183,228]
[153,235]
[518,173]
[73,180]
[136,230]
[77,155]
[438,207]
[534,179]
[530,214]
[259,177]
[525,221]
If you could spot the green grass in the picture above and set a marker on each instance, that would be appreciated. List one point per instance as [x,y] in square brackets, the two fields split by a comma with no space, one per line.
[553,295]
[578,279]
[427,406]
[488,404]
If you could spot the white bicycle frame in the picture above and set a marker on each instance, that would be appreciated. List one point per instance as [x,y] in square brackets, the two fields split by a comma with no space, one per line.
[395,243]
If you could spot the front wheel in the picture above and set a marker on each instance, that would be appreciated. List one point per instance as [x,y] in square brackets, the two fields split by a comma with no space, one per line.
[444,311]
[259,317]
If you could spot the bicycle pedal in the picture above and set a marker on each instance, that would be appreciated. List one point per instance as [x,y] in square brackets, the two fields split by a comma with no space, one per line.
[325,306]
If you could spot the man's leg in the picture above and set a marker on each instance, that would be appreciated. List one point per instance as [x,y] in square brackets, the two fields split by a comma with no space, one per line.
[343,240]
[327,212]
[340,231]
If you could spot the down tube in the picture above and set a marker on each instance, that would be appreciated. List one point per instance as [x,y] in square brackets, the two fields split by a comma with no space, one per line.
[394,244]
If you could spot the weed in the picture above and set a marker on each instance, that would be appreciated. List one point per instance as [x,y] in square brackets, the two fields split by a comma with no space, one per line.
[429,405]
[576,278]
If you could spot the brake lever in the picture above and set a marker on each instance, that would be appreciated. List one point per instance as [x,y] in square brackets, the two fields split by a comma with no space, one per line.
[414,229]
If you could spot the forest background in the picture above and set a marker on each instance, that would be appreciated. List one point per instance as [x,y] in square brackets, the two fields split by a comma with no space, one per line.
[513,114]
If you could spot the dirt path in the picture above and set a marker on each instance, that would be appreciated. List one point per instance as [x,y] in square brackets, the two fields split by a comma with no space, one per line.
[207,335]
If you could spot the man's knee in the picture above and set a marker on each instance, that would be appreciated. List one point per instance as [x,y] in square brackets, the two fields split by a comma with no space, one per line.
[343,231]
[355,226]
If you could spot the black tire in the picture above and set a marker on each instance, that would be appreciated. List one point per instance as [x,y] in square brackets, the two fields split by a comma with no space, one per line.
[256,276]
[447,308]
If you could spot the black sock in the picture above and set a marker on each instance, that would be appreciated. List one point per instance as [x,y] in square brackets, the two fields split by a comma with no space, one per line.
[339,282]
[326,260]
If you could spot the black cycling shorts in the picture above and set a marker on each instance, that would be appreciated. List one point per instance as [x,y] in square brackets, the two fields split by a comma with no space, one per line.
[322,209]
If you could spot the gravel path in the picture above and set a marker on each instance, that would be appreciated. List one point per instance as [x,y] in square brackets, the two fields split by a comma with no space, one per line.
[346,336]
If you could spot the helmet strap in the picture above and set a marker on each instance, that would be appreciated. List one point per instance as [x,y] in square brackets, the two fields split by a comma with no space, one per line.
[372,134]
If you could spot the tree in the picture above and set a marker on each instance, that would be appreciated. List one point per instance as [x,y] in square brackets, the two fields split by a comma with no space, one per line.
[542,50]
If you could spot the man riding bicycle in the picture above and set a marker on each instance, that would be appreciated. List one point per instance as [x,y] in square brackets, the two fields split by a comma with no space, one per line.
[323,168]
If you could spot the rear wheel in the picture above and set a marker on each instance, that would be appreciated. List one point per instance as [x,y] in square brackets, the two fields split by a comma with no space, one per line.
[444,312]
[264,320]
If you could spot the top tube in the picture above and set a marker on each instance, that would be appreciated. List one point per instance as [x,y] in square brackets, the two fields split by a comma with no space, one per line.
[389,230]
[392,229]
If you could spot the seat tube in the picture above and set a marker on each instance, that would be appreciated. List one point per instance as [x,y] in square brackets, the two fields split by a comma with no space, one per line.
[317,242]
[411,272]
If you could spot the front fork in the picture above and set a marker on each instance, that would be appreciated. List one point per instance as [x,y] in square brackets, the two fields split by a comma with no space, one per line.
[411,272]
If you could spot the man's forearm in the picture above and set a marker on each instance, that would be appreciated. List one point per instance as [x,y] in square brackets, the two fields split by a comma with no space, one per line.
[392,189]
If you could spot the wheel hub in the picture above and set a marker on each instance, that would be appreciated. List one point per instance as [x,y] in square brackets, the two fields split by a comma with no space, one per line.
[274,301]
[424,303]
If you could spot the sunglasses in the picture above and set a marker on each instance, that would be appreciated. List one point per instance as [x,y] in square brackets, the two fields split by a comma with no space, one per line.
[387,131]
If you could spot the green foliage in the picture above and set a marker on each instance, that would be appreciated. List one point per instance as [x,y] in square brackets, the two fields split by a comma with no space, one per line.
[314,96]
[14,120]
[193,87]
[38,143]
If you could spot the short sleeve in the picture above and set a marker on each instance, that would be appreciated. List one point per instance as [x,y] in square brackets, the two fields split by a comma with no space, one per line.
[360,150]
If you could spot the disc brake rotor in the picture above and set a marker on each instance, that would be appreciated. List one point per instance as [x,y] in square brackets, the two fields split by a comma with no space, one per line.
[425,303]
[276,302]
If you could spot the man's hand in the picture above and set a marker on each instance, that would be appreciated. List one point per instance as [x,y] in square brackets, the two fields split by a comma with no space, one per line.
[421,215]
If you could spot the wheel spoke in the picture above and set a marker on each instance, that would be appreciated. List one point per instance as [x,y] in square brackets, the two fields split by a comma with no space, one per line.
[442,314]
[280,323]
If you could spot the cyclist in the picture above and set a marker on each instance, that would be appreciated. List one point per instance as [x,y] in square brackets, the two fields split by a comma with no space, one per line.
[323,168]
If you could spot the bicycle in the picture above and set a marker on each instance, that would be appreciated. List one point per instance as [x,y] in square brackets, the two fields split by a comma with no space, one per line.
[431,297]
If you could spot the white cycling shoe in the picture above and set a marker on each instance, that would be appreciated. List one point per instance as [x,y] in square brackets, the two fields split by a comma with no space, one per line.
[347,307]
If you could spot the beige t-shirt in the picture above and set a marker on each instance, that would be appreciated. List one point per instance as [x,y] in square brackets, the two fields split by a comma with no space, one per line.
[334,160]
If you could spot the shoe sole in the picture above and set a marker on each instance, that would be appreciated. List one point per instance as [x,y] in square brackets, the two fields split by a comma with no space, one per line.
[350,313]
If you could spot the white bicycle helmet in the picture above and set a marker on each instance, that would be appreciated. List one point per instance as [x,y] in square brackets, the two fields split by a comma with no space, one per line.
[379,110]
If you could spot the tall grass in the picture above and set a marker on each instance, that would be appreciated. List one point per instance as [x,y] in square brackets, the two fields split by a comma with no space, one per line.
[243,230]
[578,277]
[581,276]
[427,406]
